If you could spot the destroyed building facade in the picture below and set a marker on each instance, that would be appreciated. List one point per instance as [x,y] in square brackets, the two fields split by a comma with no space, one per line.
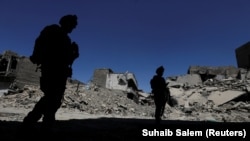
[17,71]
[126,82]
[106,78]
[100,77]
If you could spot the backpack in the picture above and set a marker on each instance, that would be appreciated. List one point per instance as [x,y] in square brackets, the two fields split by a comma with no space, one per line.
[38,54]
[154,82]
[36,57]
[151,84]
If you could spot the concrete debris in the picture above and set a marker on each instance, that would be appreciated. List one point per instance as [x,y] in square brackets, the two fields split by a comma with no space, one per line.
[215,101]
[207,72]
[189,79]
[220,98]
[218,94]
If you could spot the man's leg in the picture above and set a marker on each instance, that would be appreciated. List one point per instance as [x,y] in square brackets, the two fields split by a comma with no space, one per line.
[53,104]
[163,105]
[34,115]
[157,110]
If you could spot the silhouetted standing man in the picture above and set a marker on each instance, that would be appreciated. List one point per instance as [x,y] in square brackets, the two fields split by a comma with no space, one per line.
[54,53]
[160,91]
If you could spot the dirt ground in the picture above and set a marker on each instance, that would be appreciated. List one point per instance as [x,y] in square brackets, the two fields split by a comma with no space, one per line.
[122,129]
[74,125]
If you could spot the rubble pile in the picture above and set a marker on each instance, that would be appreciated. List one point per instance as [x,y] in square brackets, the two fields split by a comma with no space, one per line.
[217,100]
[98,100]
[225,100]
[80,97]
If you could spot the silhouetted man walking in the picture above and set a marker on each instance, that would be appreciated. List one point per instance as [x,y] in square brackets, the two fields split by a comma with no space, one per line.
[160,91]
[54,53]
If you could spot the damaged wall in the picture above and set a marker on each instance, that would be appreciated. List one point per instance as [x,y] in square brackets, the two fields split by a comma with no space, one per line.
[107,79]
[116,81]
[26,73]
[17,70]
[207,72]
[121,81]
[8,63]
[100,77]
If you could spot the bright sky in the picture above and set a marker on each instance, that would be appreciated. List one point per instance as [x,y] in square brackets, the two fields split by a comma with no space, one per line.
[134,35]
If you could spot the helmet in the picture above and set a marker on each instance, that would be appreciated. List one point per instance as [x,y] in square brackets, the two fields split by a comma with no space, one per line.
[159,70]
[68,20]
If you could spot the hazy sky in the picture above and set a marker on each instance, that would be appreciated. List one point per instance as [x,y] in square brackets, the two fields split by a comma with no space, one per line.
[134,35]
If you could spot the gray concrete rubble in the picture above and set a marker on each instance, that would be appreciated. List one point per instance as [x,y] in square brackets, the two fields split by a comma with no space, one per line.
[212,95]
[219,98]
[212,100]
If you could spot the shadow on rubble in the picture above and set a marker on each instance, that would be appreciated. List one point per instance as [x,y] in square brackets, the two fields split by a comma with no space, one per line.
[118,129]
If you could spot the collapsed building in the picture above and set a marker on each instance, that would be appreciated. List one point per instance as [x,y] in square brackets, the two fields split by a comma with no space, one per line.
[17,71]
[106,78]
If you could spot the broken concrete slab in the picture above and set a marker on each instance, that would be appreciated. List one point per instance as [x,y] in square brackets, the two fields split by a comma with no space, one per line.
[189,79]
[220,98]
[210,89]
[174,84]
[196,98]
[143,94]
[176,92]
